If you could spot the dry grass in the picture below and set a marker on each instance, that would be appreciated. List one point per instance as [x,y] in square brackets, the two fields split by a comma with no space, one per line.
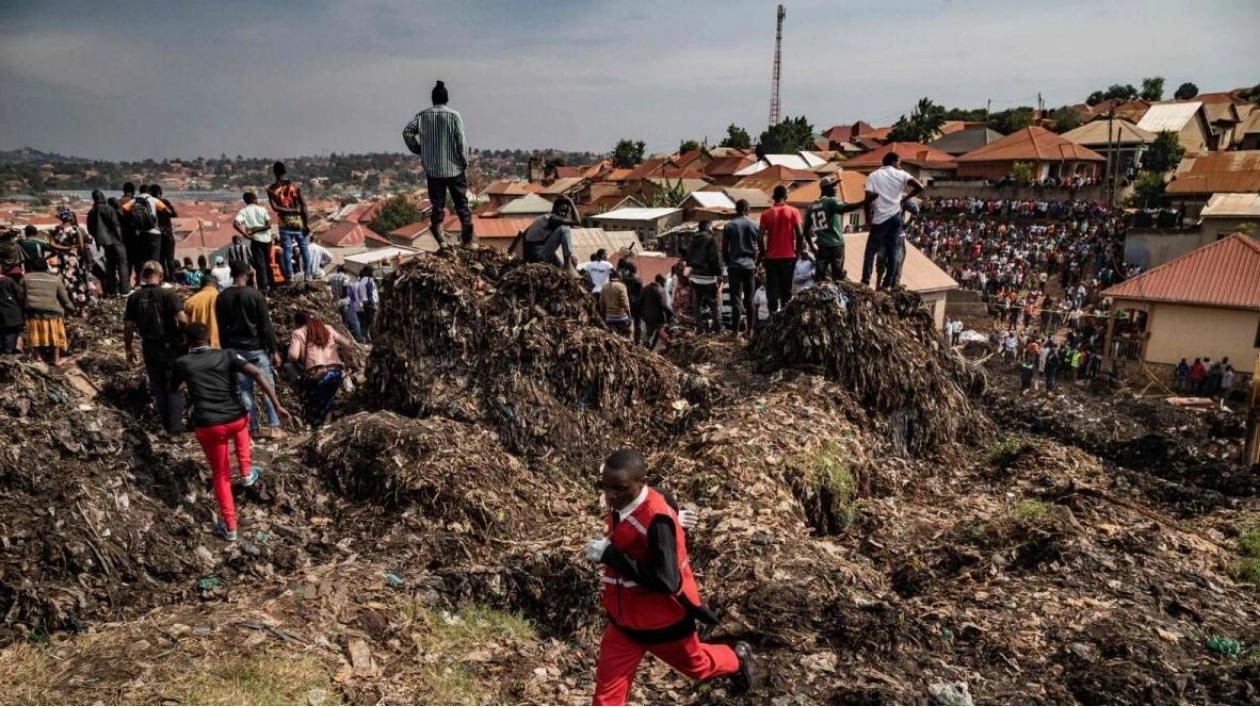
[443,670]
[93,669]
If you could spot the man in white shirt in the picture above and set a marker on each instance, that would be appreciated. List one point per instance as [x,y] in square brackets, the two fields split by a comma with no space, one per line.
[597,270]
[320,259]
[254,223]
[887,185]
[222,273]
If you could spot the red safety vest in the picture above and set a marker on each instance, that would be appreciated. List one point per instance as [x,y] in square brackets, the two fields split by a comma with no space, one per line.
[634,607]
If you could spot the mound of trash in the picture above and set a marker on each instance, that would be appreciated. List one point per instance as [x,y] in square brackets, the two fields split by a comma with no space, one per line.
[885,350]
[472,336]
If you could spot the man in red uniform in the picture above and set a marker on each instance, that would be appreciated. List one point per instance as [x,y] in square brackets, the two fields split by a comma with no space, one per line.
[649,591]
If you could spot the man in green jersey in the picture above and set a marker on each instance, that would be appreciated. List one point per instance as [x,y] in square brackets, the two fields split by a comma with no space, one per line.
[825,232]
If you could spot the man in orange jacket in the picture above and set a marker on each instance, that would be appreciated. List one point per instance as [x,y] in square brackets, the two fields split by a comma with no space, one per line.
[649,591]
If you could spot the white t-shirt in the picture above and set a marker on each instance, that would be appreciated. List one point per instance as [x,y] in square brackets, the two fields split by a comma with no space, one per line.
[222,275]
[254,216]
[888,183]
[598,270]
[320,254]
[762,303]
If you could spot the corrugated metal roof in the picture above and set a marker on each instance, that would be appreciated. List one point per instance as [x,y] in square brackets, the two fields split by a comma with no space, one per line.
[1169,116]
[913,153]
[753,168]
[1217,172]
[561,186]
[756,198]
[1221,274]
[1123,132]
[712,200]
[918,272]
[588,240]
[636,214]
[1034,143]
[796,161]
[852,189]
[1232,205]
[963,141]
[530,204]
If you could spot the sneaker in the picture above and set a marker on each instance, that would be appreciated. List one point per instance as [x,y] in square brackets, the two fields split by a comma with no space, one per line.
[230,536]
[252,479]
[746,679]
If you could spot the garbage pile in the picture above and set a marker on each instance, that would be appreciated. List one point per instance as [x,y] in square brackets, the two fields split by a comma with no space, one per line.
[885,350]
[474,337]
[87,533]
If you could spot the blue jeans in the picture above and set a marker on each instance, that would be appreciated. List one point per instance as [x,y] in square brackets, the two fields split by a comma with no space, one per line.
[263,361]
[350,318]
[883,238]
[289,237]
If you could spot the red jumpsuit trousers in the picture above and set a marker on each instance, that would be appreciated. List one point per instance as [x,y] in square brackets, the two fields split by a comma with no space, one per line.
[619,658]
[214,442]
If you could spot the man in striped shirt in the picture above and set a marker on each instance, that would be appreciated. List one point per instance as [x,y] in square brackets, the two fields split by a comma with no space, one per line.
[437,135]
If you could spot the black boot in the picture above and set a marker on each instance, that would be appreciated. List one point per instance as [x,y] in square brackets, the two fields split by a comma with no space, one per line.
[466,237]
[748,677]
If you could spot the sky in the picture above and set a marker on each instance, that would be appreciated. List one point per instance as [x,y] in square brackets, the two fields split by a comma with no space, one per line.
[134,79]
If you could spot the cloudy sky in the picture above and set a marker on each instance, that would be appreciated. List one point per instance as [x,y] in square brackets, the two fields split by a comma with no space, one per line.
[129,79]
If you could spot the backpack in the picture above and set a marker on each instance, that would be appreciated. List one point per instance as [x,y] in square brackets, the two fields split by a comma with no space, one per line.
[150,319]
[142,215]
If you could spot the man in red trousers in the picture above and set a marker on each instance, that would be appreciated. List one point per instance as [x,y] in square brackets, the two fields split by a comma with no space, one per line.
[649,591]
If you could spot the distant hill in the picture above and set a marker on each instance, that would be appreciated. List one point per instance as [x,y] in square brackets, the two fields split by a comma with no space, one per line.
[30,154]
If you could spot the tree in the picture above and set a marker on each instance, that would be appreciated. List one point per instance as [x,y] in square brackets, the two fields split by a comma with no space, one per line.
[1066,118]
[922,126]
[549,167]
[1163,154]
[395,213]
[1095,98]
[970,115]
[1148,190]
[1011,120]
[1122,92]
[737,137]
[1022,171]
[688,146]
[1153,88]
[628,153]
[790,135]
[1186,91]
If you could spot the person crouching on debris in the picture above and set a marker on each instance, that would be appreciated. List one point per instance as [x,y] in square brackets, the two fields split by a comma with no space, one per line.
[549,233]
[323,354]
[219,416]
[649,591]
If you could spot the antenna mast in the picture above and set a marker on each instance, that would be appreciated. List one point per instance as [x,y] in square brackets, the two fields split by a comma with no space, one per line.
[774,82]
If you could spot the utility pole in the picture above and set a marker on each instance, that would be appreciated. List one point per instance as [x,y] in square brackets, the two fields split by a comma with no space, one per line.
[774,81]
[988,108]
[1111,157]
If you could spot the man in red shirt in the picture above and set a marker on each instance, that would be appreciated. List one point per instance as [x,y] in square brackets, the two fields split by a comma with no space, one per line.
[781,237]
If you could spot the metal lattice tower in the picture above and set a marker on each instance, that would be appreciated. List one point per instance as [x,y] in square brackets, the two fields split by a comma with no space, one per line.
[774,82]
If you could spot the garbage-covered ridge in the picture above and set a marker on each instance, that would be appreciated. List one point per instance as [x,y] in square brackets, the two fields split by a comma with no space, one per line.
[885,521]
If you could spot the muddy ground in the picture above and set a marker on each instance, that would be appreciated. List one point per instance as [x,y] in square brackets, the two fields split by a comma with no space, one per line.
[1070,548]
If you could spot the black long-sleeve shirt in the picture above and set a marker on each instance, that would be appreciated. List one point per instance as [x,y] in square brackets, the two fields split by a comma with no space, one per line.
[103,225]
[244,320]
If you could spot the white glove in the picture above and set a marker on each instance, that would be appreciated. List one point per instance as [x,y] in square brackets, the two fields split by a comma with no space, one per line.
[688,518]
[594,549]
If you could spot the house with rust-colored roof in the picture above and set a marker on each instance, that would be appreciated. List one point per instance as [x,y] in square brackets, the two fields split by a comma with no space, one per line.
[851,188]
[1219,172]
[921,161]
[1048,154]
[1205,303]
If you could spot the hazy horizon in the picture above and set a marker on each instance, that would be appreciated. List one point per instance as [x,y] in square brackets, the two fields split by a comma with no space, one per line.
[305,78]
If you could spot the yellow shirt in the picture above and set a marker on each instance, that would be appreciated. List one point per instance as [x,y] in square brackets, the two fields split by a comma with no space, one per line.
[200,308]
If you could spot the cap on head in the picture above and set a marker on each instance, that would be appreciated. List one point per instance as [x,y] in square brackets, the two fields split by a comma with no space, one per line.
[828,186]
[439,94]
[218,260]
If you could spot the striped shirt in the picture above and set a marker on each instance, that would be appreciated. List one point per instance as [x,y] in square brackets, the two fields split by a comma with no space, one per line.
[437,135]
